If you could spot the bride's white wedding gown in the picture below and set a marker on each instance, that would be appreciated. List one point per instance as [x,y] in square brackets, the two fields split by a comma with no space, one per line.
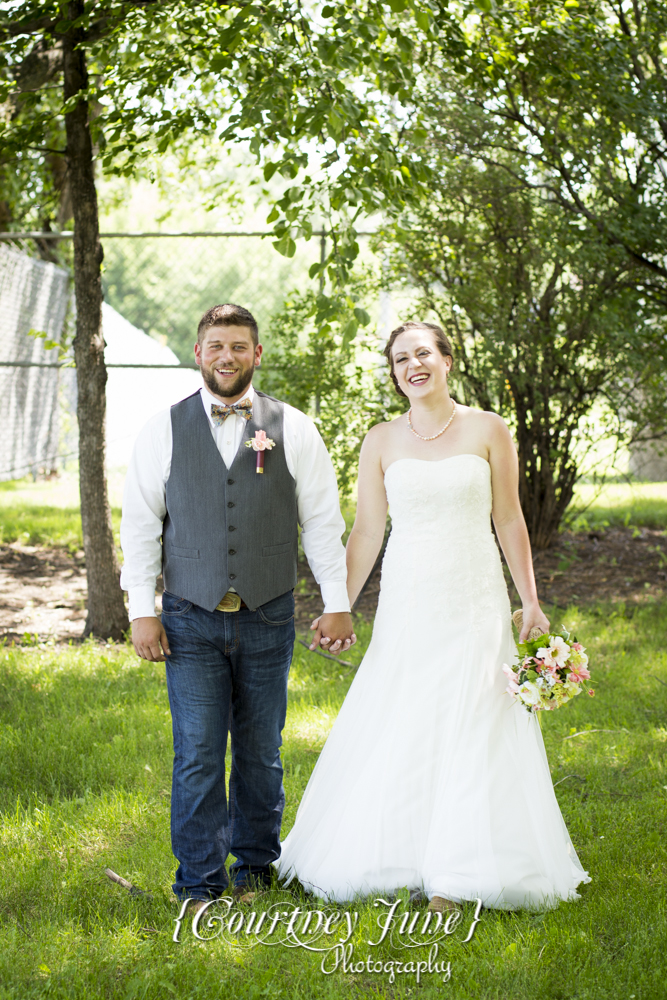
[432,776]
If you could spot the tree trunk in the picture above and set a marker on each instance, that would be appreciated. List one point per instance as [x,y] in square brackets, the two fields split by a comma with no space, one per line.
[544,490]
[107,617]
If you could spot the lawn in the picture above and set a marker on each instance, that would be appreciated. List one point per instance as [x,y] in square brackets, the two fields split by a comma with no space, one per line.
[46,512]
[642,505]
[85,753]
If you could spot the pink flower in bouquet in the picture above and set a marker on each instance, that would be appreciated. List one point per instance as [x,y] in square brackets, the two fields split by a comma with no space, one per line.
[577,647]
[513,678]
[578,673]
[550,668]
[556,653]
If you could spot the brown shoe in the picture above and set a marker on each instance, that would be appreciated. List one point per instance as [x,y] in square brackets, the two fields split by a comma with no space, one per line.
[195,905]
[439,904]
[253,885]
[245,897]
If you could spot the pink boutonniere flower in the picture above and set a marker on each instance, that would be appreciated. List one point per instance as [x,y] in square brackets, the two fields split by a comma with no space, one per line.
[260,443]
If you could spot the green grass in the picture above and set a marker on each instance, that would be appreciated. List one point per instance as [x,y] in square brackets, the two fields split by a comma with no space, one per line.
[642,505]
[46,512]
[47,526]
[85,754]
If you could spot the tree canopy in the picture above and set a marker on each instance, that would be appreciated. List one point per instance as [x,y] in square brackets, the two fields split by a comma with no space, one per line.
[389,110]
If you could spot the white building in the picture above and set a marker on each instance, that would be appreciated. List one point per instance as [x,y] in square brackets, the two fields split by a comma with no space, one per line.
[136,394]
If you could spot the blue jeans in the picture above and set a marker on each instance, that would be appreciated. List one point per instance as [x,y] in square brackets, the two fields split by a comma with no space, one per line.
[227,670]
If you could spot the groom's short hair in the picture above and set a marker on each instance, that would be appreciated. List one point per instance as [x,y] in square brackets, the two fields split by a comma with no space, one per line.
[228,314]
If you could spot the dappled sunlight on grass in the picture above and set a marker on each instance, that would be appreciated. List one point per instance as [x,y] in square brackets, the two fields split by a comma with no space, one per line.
[85,751]
[618,504]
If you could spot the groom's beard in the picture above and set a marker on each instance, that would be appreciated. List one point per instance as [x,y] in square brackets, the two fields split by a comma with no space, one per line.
[231,387]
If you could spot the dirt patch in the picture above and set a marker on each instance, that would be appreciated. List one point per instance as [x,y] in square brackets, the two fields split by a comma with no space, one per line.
[43,591]
[619,564]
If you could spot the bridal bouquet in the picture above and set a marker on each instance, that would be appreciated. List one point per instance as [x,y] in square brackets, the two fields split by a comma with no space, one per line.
[551,671]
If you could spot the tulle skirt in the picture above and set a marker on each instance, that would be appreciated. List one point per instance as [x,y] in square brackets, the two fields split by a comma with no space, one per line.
[433,778]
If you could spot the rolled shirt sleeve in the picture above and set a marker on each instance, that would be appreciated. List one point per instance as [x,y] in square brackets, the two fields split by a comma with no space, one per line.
[321,521]
[144,511]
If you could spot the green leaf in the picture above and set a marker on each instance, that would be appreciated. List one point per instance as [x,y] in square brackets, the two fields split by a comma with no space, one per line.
[484,5]
[349,333]
[314,270]
[328,11]
[362,316]
[273,215]
[285,246]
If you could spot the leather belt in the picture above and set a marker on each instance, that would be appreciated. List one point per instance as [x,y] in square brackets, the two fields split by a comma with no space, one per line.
[231,602]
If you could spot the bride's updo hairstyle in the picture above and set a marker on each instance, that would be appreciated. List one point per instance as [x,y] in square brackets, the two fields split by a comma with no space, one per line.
[439,336]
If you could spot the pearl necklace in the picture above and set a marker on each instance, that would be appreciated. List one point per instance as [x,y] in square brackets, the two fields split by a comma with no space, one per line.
[433,436]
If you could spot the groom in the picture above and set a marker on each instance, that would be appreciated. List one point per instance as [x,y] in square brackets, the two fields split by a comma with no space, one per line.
[225,535]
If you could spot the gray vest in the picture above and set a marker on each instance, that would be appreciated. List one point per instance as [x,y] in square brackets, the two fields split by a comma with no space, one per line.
[228,527]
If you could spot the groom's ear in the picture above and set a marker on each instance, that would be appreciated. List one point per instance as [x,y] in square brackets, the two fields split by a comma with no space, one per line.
[258,355]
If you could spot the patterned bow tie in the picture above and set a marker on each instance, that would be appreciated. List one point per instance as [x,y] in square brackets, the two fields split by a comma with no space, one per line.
[220,413]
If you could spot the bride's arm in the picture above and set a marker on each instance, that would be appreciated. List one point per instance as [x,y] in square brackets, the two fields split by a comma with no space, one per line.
[367,534]
[510,524]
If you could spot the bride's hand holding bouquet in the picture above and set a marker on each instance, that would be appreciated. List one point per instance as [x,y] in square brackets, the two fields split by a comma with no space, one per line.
[551,671]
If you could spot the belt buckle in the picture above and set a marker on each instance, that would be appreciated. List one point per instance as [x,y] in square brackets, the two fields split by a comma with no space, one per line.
[230,602]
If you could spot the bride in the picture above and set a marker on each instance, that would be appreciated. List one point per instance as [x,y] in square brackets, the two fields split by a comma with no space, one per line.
[432,777]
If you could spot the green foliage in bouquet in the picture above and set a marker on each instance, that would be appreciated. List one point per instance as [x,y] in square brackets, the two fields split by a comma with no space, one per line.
[551,670]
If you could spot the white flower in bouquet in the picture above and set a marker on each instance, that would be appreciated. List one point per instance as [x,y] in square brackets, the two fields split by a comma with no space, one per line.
[529,693]
[555,654]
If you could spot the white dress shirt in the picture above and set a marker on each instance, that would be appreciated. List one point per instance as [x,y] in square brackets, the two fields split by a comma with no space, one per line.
[309,464]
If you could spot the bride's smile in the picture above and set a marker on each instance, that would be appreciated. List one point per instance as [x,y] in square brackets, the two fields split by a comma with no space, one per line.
[420,369]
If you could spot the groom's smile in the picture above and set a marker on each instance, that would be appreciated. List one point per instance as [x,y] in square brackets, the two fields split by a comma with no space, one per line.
[227,357]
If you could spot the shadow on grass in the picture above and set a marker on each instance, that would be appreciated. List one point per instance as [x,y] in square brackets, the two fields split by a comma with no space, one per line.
[85,745]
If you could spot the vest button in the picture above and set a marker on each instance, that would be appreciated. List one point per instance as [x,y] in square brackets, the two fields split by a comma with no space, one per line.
[232,552]
[232,576]
[230,482]
[232,528]
[230,504]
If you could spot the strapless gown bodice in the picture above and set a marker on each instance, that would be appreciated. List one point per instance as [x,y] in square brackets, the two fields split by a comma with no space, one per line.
[418,784]
[442,555]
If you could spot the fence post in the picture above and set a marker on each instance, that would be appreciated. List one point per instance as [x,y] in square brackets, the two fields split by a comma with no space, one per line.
[323,257]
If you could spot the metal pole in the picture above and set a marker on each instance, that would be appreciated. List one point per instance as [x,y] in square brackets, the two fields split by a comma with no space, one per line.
[323,257]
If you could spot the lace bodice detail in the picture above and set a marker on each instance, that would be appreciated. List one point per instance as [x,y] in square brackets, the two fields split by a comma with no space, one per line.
[441,526]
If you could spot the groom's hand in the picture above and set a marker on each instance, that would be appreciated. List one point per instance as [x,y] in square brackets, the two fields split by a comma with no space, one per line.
[150,639]
[334,632]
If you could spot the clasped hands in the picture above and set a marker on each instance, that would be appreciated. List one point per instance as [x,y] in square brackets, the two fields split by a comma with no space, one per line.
[334,632]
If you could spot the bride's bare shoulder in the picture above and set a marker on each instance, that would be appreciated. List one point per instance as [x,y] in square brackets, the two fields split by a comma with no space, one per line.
[380,436]
[482,419]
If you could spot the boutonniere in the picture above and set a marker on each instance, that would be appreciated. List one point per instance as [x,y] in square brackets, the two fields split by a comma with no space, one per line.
[260,443]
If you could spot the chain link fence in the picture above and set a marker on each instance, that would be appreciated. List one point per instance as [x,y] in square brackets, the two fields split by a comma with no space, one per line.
[34,295]
[160,283]
[164,283]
